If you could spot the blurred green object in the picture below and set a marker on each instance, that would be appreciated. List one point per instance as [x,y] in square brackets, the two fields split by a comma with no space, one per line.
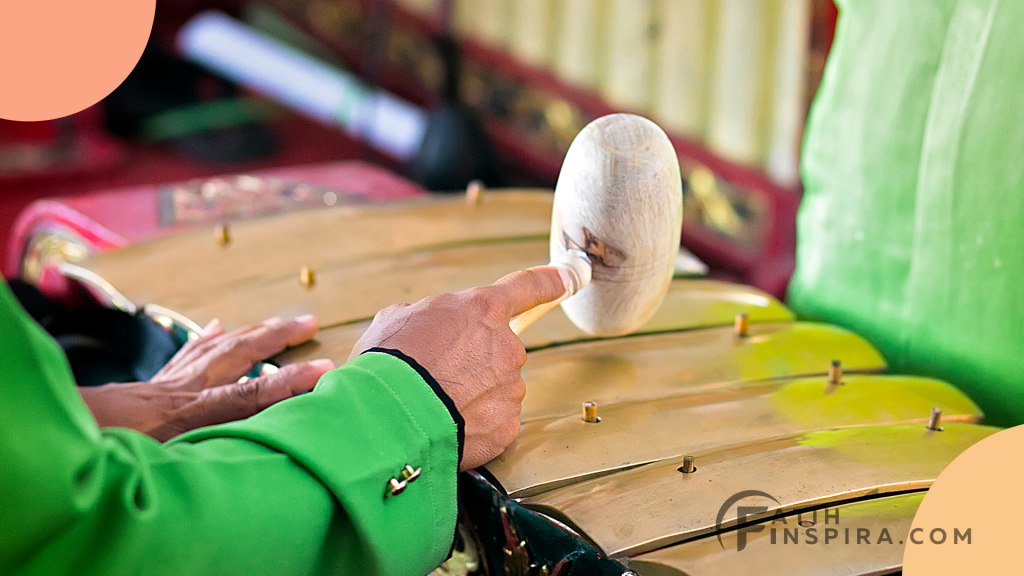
[205,116]
[911,231]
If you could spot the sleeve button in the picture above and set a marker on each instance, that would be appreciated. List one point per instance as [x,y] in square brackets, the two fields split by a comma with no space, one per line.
[394,487]
[410,474]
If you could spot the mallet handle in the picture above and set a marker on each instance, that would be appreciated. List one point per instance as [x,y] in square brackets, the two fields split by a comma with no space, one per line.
[523,321]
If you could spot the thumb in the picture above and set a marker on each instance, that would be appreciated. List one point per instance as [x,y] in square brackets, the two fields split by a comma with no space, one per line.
[526,289]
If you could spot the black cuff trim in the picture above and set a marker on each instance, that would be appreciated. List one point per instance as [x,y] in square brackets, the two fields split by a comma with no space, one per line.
[460,423]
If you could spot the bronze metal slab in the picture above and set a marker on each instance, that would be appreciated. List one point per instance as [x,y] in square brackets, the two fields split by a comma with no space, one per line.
[883,524]
[356,291]
[184,270]
[334,342]
[560,379]
[553,453]
[655,505]
[688,304]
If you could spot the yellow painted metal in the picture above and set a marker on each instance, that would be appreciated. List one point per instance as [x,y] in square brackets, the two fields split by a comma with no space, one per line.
[655,505]
[560,379]
[557,452]
[785,547]
[193,266]
[688,304]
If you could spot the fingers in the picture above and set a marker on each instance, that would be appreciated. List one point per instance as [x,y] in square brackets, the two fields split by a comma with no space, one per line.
[491,430]
[526,289]
[216,359]
[243,399]
[281,334]
[212,330]
[234,354]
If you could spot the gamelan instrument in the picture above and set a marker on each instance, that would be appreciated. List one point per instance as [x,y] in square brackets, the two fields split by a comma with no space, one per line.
[720,436]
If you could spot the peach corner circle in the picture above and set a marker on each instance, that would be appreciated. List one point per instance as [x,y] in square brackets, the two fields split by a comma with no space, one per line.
[58,57]
[980,491]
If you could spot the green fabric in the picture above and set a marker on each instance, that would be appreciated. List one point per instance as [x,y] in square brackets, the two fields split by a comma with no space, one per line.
[911,231]
[296,489]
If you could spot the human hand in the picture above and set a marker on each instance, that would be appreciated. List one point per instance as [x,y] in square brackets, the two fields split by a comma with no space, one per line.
[464,341]
[200,385]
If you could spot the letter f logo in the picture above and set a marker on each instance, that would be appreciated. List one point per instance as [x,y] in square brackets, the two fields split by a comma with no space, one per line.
[742,513]
[741,516]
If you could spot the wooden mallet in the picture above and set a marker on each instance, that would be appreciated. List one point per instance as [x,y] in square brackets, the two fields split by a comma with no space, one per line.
[615,225]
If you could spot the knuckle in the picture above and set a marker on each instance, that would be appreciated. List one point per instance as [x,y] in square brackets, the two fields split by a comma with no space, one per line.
[519,392]
[247,391]
[528,280]
[509,358]
[387,314]
[486,303]
[201,378]
[193,373]
[178,401]
[232,346]
[380,318]
[442,298]
[445,300]
[205,347]
[244,348]
[518,353]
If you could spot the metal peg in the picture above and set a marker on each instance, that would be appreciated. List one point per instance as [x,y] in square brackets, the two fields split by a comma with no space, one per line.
[590,413]
[222,234]
[687,467]
[307,277]
[835,372]
[473,192]
[933,420]
[410,474]
[742,325]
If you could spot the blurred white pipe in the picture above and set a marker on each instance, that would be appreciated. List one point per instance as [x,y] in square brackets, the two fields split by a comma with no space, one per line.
[312,87]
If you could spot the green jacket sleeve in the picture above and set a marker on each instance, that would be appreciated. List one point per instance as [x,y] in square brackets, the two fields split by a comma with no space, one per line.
[296,489]
[910,225]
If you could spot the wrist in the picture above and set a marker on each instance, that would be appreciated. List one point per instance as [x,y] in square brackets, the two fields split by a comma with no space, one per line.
[139,406]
